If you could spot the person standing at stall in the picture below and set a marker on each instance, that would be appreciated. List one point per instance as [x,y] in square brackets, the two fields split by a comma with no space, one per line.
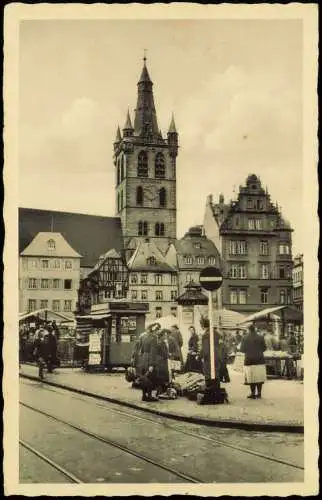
[205,352]
[253,346]
[52,349]
[148,379]
[193,363]
[175,345]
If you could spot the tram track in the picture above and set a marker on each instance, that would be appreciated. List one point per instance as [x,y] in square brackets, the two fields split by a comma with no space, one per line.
[108,442]
[52,463]
[208,439]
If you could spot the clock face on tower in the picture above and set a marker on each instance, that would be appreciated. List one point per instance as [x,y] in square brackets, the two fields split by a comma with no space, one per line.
[151,193]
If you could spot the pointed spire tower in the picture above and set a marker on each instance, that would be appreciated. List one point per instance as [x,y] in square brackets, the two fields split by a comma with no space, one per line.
[145,122]
[173,138]
[128,129]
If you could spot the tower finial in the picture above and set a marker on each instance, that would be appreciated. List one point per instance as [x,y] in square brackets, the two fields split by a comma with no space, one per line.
[144,57]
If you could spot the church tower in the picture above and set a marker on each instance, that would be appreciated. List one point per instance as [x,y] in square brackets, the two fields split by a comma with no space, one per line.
[145,165]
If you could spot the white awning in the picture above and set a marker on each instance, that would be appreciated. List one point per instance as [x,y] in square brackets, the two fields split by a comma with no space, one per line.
[49,312]
[262,314]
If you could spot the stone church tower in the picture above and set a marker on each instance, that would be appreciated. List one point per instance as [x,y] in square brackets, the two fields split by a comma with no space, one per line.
[145,164]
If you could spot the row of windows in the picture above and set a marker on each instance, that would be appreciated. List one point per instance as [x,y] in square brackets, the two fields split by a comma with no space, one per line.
[158,279]
[298,293]
[159,165]
[239,247]
[158,295]
[143,228]
[57,305]
[34,283]
[297,275]
[199,259]
[162,196]
[255,204]
[159,313]
[47,263]
[240,271]
[239,296]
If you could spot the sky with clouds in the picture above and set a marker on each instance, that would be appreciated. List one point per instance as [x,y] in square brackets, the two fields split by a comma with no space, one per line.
[235,87]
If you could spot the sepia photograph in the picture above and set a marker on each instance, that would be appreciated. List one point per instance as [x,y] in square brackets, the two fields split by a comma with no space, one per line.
[161,214]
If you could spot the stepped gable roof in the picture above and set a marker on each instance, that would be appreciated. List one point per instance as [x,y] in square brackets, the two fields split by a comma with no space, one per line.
[147,257]
[41,246]
[88,235]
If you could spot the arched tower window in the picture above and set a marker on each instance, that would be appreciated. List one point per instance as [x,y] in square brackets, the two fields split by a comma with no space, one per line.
[145,228]
[157,229]
[118,172]
[122,168]
[121,199]
[143,164]
[159,166]
[162,197]
[161,229]
[140,228]
[139,195]
[118,202]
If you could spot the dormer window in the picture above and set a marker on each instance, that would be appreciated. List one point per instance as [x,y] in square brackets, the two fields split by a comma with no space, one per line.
[51,244]
[151,261]
[197,245]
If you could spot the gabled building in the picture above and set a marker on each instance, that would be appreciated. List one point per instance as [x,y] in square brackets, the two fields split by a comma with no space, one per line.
[152,279]
[108,280]
[90,235]
[255,243]
[49,274]
[190,255]
[145,174]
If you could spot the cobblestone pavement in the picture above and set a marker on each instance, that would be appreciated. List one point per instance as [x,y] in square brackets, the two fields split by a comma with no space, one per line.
[281,403]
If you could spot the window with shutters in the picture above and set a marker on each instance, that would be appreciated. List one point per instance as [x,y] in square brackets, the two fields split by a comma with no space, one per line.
[32,305]
[263,247]
[158,312]
[264,271]
[159,166]
[56,305]
[32,283]
[67,305]
[44,304]
[56,283]
[162,197]
[159,295]
[143,164]
[44,283]
[264,296]
[139,195]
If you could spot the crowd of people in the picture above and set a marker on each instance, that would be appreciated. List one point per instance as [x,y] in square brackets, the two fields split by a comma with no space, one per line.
[157,358]
[40,345]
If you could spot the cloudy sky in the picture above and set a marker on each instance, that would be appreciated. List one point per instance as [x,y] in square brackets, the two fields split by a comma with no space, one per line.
[235,87]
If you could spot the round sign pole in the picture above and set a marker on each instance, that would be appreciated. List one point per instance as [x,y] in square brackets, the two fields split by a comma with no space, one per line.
[211,279]
[211,337]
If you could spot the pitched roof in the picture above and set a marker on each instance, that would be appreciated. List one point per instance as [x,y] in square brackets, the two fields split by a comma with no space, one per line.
[195,245]
[40,246]
[139,260]
[110,254]
[89,235]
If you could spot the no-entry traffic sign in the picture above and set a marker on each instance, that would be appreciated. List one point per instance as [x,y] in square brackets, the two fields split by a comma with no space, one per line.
[211,278]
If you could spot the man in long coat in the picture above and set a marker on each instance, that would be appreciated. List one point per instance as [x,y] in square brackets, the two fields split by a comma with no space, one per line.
[205,353]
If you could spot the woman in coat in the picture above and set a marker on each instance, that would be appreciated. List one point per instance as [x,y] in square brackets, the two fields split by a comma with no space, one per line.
[193,363]
[253,345]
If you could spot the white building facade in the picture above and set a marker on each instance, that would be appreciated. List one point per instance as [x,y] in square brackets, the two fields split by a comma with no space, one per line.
[49,273]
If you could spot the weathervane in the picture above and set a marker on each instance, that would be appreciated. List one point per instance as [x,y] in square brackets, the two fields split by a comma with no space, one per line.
[144,58]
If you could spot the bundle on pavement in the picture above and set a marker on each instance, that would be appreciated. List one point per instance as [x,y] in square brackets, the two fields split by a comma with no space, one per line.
[189,382]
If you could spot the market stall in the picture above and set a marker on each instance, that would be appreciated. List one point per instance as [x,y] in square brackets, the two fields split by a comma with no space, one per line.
[113,328]
[279,325]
